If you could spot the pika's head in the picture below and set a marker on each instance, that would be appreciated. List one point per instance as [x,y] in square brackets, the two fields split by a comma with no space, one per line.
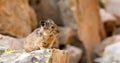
[48,28]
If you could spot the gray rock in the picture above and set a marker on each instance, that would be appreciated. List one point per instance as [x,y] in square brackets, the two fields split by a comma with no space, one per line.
[109,41]
[106,16]
[41,56]
[75,53]
[111,54]
[112,6]
[10,42]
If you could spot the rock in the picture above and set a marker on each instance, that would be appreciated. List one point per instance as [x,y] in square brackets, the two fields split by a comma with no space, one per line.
[47,9]
[67,14]
[106,16]
[59,56]
[75,53]
[111,40]
[38,56]
[17,18]
[111,54]
[2,51]
[22,57]
[117,30]
[109,22]
[112,6]
[9,42]
[56,45]
[65,36]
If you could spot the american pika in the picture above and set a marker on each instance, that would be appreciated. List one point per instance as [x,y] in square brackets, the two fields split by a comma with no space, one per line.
[42,37]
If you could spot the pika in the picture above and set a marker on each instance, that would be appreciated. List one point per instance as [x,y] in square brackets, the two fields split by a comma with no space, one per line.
[42,37]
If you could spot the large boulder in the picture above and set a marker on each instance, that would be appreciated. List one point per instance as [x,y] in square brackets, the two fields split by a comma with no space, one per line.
[17,18]
[111,54]
[109,41]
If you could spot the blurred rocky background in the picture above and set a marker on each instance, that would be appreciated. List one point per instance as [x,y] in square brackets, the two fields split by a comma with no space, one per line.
[89,29]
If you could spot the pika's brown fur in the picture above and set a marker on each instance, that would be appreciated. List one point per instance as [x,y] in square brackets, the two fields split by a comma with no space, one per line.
[43,37]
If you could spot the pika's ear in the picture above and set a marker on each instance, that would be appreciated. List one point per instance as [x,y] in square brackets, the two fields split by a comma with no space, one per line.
[49,20]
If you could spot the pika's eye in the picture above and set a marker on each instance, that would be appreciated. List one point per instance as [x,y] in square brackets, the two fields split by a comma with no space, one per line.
[52,27]
[42,23]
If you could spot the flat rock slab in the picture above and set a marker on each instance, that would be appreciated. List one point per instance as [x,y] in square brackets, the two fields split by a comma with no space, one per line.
[38,56]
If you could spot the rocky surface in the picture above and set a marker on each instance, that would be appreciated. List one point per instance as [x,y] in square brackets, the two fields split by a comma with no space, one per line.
[38,56]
